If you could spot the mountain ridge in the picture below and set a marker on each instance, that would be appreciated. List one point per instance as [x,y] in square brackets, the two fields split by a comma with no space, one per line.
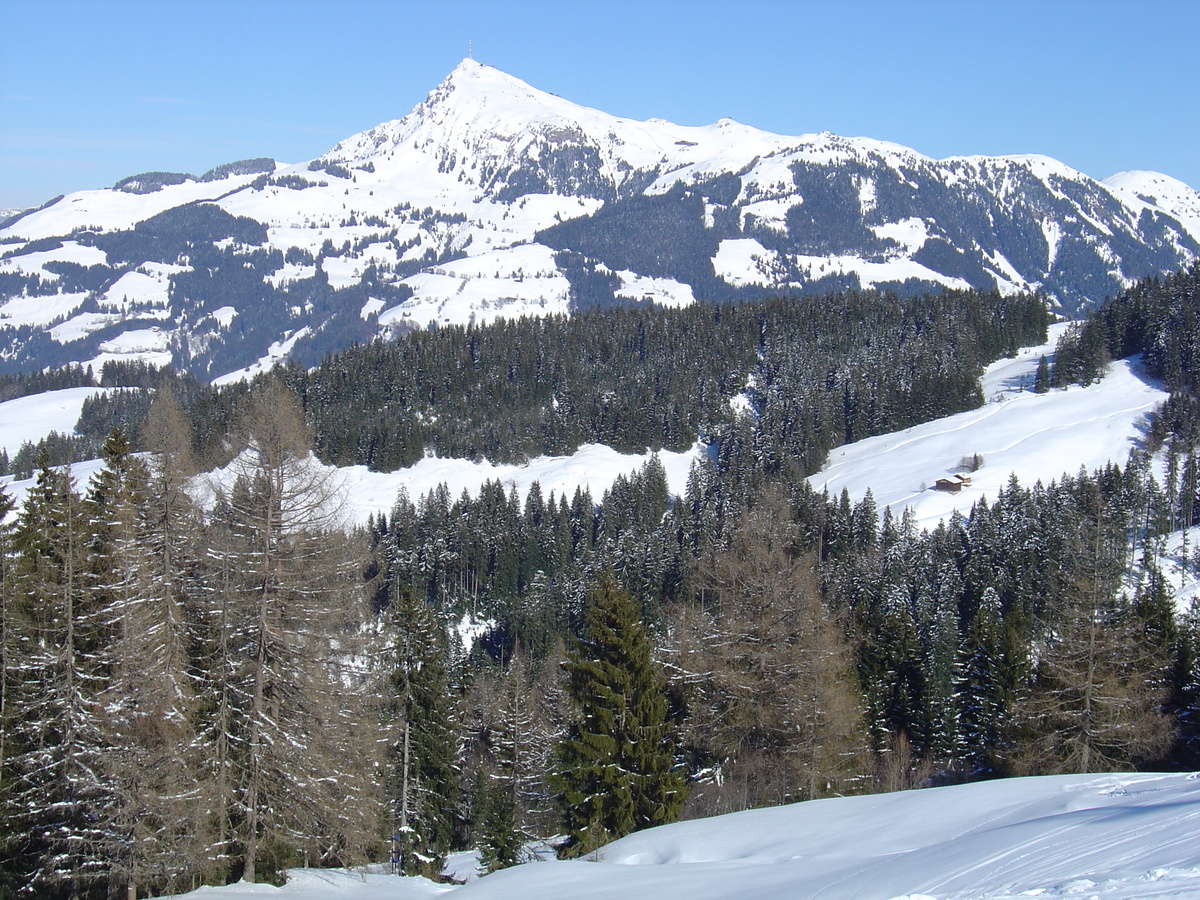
[493,199]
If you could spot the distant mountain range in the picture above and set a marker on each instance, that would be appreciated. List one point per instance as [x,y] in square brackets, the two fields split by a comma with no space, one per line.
[492,199]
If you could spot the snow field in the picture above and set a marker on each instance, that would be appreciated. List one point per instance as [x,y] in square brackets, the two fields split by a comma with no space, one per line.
[593,466]
[1034,436]
[1113,837]
[33,418]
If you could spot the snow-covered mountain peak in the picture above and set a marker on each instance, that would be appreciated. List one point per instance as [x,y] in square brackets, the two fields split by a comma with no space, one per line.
[1154,183]
[1158,190]
[470,73]
[473,88]
[486,128]
[492,198]
[479,125]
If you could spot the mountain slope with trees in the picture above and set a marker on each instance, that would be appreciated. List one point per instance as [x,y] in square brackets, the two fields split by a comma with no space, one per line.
[492,200]
[331,707]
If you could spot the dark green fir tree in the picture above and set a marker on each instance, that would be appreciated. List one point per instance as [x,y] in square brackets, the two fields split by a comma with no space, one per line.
[423,745]
[1041,378]
[616,764]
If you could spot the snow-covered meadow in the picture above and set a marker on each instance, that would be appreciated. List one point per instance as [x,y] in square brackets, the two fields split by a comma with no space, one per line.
[1111,837]
[1016,432]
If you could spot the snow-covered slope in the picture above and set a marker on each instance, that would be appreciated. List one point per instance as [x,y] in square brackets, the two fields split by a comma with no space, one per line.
[29,419]
[593,467]
[1162,192]
[1017,432]
[1116,837]
[494,199]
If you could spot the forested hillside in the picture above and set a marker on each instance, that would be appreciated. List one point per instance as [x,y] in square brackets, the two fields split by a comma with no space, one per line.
[813,373]
[478,670]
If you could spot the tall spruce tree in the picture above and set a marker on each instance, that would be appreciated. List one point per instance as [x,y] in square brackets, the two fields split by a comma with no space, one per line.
[942,669]
[56,801]
[616,770]
[991,676]
[422,744]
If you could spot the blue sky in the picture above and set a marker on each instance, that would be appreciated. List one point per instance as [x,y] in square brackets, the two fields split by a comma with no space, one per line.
[94,91]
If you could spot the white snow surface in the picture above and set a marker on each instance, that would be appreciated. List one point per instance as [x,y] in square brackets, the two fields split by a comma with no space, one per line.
[663,291]
[504,283]
[593,466]
[1090,837]
[33,418]
[1034,436]
[1154,189]
[116,210]
[361,492]
[319,884]
[743,261]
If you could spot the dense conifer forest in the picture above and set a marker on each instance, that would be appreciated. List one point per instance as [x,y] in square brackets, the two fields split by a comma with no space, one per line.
[196,695]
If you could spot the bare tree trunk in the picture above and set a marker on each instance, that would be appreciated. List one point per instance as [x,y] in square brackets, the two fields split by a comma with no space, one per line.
[256,744]
[404,776]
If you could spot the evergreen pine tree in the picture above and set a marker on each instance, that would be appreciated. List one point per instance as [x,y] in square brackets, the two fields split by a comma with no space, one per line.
[501,843]
[942,665]
[1041,378]
[616,764]
[423,748]
[56,802]
[991,674]
[893,673]
[8,657]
